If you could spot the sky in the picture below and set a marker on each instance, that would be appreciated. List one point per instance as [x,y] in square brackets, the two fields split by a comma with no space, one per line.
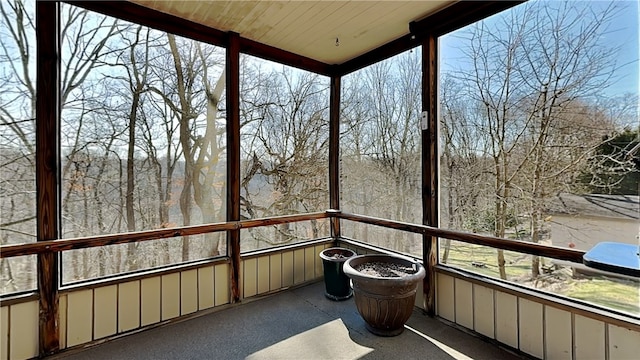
[624,33]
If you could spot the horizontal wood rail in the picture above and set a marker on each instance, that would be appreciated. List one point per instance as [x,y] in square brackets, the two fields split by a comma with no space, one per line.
[549,251]
[51,246]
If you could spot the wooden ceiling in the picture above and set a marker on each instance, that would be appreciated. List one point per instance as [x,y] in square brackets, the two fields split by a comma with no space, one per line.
[331,32]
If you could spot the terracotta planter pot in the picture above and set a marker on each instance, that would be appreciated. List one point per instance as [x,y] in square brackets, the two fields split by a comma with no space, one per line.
[385,303]
[336,283]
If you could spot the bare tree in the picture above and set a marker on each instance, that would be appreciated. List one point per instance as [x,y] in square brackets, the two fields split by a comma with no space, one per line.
[528,70]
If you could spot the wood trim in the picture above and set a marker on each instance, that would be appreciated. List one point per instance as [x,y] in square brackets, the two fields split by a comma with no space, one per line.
[52,246]
[525,247]
[430,167]
[334,152]
[383,52]
[271,53]
[233,160]
[556,301]
[12,299]
[457,16]
[47,168]
[155,19]
[444,21]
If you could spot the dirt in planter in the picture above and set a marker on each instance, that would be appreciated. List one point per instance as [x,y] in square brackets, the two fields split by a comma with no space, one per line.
[384,269]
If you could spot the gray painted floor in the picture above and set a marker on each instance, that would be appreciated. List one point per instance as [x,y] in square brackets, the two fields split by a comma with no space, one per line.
[295,324]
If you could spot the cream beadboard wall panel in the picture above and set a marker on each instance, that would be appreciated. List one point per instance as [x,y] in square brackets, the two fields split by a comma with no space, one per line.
[4,332]
[483,311]
[23,330]
[188,291]
[445,293]
[536,328]
[589,338]
[623,343]
[97,313]
[79,317]
[558,338]
[309,263]
[105,319]
[221,275]
[298,266]
[287,269]
[170,300]
[506,318]
[206,288]
[275,271]
[463,302]
[62,311]
[150,296]
[530,327]
[128,306]
[249,277]
[263,274]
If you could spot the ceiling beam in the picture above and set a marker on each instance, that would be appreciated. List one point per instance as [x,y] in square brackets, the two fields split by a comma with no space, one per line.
[155,19]
[457,16]
[444,21]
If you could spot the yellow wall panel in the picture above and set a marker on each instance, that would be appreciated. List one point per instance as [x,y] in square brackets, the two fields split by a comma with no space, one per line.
[309,264]
[128,306]
[445,294]
[298,266]
[275,271]
[62,328]
[263,274]
[189,291]
[464,303]
[4,332]
[483,314]
[530,328]
[170,288]
[79,316]
[105,300]
[506,318]
[23,330]
[249,276]
[557,328]
[205,288]
[589,338]
[623,343]
[221,284]
[318,262]
[150,301]
[287,269]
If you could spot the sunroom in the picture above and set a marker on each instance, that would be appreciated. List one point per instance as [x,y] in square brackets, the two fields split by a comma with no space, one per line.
[165,162]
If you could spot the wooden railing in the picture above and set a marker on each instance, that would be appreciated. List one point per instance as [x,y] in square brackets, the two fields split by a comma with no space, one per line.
[549,251]
[42,247]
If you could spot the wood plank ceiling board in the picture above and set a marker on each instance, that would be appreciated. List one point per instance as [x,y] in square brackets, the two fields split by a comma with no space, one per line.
[307,28]
[358,39]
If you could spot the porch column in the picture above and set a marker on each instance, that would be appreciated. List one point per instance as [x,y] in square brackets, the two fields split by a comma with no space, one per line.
[47,167]
[334,153]
[429,125]
[233,158]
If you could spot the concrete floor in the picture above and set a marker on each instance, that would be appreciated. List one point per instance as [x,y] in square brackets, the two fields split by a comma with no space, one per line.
[295,324]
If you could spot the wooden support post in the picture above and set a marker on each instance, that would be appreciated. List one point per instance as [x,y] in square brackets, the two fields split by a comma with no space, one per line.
[233,159]
[334,154]
[430,165]
[47,165]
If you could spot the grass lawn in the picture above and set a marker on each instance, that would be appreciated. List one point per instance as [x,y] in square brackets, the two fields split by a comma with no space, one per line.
[616,294]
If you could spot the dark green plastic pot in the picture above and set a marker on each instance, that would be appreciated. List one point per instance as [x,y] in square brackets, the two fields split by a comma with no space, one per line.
[336,283]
